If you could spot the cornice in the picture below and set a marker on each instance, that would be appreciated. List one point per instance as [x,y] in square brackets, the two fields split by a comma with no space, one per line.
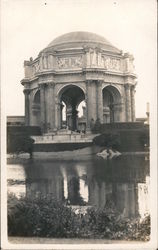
[94,70]
[28,80]
[25,80]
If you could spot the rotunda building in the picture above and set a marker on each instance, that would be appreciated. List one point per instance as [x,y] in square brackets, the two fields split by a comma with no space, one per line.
[75,68]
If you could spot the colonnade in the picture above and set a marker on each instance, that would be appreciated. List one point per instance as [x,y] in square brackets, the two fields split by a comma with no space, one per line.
[50,105]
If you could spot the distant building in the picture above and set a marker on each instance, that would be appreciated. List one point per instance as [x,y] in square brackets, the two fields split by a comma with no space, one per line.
[15,120]
[141,119]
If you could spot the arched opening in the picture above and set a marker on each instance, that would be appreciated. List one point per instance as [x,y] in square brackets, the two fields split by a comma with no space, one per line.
[71,100]
[36,108]
[111,104]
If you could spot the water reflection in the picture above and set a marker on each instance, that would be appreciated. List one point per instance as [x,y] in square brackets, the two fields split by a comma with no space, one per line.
[123,181]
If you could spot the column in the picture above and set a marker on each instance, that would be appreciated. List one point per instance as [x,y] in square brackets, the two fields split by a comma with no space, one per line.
[43,108]
[87,100]
[133,102]
[128,102]
[61,115]
[91,101]
[99,101]
[57,113]
[74,117]
[27,107]
[51,103]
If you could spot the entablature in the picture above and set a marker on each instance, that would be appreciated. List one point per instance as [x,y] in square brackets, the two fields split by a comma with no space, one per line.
[85,58]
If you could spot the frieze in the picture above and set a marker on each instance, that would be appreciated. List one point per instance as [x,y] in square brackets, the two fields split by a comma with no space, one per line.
[36,67]
[69,62]
[93,59]
[111,63]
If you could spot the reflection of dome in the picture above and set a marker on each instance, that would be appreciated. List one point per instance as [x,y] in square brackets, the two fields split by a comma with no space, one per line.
[80,39]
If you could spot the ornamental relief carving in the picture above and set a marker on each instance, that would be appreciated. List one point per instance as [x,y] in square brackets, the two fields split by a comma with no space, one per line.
[69,62]
[44,62]
[94,58]
[112,64]
[36,67]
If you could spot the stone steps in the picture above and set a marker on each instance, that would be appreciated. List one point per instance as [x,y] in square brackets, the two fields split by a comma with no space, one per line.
[62,138]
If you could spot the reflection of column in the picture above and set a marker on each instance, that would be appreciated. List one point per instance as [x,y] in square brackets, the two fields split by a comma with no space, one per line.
[93,189]
[126,199]
[102,194]
[133,103]
[73,190]
[27,107]
[128,102]
[43,109]
[99,101]
[46,186]
[132,199]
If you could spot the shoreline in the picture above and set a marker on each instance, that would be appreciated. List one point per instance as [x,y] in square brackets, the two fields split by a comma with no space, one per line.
[85,153]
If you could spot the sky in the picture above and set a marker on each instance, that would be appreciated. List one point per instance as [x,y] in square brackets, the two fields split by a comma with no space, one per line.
[28,26]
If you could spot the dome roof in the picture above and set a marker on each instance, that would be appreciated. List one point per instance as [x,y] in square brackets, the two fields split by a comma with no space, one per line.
[80,39]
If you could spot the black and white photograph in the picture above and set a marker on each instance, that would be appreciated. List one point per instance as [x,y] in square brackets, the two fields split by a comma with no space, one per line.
[78,124]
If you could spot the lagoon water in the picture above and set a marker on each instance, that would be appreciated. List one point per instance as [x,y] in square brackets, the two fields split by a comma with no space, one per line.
[122,182]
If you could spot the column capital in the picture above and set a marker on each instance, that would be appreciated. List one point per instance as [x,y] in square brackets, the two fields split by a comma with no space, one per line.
[45,84]
[41,85]
[133,87]
[100,81]
[98,49]
[50,84]
[26,91]
[127,85]
[86,48]
[88,81]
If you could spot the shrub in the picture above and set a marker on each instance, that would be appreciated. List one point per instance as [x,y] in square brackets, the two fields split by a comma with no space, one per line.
[47,217]
[109,140]
[18,143]
[41,216]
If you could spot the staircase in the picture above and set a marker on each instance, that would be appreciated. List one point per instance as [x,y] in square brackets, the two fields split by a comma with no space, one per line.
[63,136]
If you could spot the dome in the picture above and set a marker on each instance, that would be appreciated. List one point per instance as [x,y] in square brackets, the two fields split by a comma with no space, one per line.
[81,39]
